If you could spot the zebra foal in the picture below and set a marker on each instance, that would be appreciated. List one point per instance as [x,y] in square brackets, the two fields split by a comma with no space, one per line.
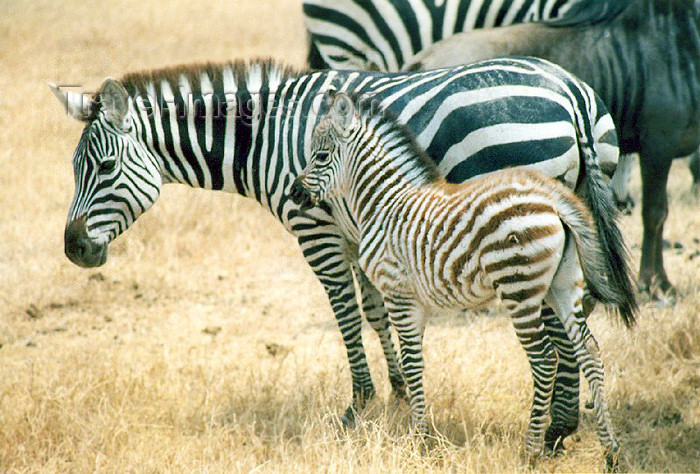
[429,246]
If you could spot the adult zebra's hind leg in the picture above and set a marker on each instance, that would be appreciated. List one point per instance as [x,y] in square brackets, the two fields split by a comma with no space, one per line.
[378,318]
[565,398]
[565,297]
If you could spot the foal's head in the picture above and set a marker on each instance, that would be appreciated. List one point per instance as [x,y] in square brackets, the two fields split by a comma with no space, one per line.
[326,171]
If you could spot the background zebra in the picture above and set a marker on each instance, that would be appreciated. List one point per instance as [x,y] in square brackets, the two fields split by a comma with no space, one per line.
[383,34]
[430,247]
[246,129]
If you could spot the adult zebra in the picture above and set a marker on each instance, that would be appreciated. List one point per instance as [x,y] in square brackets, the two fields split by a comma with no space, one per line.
[383,34]
[245,129]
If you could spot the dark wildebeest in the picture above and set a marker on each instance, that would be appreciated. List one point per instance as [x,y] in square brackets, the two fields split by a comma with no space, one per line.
[645,63]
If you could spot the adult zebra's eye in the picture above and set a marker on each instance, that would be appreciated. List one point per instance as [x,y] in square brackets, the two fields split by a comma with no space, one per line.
[322,157]
[108,165]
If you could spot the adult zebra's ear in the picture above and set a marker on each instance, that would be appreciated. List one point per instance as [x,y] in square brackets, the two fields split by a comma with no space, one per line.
[76,104]
[342,110]
[114,101]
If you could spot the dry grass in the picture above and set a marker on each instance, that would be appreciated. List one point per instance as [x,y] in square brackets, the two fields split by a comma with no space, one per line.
[206,344]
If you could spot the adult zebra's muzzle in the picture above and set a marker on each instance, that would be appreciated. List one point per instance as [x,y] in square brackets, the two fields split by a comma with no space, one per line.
[79,248]
[300,194]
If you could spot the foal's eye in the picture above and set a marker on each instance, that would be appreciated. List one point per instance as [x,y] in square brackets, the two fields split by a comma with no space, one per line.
[108,165]
[322,157]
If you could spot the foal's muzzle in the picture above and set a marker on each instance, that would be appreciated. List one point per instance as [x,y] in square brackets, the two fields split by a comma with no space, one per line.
[79,248]
[300,195]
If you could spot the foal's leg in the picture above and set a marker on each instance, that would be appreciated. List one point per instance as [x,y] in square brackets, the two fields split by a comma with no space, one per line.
[376,314]
[409,321]
[565,399]
[565,296]
[543,364]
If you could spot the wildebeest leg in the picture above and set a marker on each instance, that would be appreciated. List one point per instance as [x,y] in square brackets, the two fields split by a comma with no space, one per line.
[694,165]
[620,183]
[652,276]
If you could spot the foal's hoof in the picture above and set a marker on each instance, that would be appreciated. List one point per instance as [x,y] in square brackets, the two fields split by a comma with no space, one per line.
[348,418]
[612,458]
[554,446]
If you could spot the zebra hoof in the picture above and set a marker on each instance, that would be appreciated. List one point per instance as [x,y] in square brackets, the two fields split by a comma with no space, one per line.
[553,446]
[348,418]
[398,389]
[612,459]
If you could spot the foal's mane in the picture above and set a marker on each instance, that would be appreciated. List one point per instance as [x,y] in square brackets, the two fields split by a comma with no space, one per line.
[400,135]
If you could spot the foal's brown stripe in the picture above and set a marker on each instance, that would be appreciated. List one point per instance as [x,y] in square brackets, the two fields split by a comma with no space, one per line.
[519,323]
[518,210]
[476,212]
[371,193]
[518,277]
[527,235]
[524,294]
[519,260]
[414,221]
[492,225]
[448,220]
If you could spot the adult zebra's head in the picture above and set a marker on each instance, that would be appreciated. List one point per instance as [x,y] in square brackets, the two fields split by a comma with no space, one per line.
[326,171]
[116,177]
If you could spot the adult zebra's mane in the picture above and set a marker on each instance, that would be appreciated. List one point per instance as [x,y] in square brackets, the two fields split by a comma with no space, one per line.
[136,82]
[396,134]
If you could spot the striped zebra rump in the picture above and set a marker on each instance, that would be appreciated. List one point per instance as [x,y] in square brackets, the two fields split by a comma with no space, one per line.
[428,245]
[383,34]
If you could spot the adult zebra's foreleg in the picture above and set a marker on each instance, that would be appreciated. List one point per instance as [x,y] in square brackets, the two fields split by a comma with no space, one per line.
[378,318]
[327,255]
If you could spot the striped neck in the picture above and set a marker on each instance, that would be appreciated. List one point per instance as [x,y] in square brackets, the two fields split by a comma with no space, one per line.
[200,121]
[384,165]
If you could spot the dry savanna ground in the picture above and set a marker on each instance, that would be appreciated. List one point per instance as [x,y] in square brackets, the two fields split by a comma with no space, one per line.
[206,344]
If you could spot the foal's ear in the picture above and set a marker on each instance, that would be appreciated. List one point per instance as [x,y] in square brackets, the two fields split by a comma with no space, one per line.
[115,102]
[342,110]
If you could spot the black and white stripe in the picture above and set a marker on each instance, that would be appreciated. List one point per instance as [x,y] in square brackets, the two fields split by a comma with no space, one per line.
[383,34]
[246,129]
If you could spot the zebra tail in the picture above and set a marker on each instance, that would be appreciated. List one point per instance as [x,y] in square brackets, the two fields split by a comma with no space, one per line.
[608,274]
